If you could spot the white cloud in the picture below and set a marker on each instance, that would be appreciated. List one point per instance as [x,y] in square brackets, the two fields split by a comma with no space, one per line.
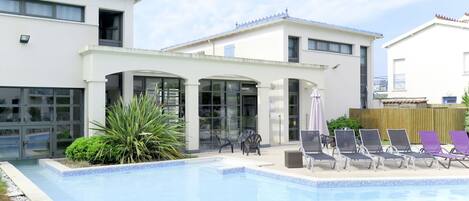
[160,23]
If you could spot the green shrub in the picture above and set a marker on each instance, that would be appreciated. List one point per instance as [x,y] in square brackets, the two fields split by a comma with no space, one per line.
[90,149]
[141,131]
[343,122]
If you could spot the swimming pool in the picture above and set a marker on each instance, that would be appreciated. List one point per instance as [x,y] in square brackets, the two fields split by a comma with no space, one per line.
[212,181]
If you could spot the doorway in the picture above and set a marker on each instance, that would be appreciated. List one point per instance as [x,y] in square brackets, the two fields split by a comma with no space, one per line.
[249,112]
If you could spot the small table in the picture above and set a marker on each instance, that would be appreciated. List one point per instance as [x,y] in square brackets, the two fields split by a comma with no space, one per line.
[293,159]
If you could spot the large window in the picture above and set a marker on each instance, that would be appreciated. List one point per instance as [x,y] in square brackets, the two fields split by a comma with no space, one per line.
[168,92]
[113,88]
[221,109]
[110,28]
[229,50]
[43,9]
[41,122]
[363,76]
[399,75]
[328,46]
[293,49]
[293,109]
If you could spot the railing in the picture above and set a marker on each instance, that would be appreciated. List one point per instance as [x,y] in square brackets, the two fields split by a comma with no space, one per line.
[441,120]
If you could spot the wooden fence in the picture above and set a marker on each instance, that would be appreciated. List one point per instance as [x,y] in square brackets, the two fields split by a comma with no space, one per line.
[441,120]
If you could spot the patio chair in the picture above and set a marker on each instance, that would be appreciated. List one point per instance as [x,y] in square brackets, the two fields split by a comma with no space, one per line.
[346,147]
[371,141]
[460,141]
[431,145]
[244,135]
[310,146]
[400,144]
[224,142]
[252,144]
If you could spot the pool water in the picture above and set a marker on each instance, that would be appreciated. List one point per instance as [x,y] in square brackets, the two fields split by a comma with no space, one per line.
[201,182]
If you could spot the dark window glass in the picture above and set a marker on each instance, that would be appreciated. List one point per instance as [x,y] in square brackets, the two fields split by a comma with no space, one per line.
[139,85]
[37,114]
[9,114]
[63,113]
[110,28]
[363,76]
[206,98]
[39,9]
[10,96]
[293,49]
[329,46]
[218,85]
[72,13]
[293,108]
[12,6]
[113,88]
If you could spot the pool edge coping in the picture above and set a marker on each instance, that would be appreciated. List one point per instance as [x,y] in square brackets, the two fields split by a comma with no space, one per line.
[31,190]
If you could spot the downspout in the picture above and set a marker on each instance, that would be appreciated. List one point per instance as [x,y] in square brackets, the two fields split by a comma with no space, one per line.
[213,46]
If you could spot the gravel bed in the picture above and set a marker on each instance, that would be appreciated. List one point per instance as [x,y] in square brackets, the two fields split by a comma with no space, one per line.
[13,191]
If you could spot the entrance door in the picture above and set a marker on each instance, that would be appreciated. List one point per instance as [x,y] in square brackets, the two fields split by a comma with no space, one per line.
[249,115]
[36,142]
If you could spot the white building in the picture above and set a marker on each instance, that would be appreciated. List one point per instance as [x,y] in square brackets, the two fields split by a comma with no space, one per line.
[430,61]
[64,60]
[284,38]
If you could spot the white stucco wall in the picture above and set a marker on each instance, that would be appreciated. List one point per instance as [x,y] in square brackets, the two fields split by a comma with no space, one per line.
[433,63]
[51,57]
[342,89]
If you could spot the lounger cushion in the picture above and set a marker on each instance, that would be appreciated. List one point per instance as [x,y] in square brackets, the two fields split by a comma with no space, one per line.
[418,155]
[356,156]
[320,156]
[387,155]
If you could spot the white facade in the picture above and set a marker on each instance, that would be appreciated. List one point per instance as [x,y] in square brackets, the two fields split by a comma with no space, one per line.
[430,61]
[267,39]
[63,56]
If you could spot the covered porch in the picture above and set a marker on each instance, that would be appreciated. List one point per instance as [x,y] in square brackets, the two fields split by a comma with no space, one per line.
[209,89]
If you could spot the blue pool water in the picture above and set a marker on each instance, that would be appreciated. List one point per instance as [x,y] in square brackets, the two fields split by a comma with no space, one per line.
[201,182]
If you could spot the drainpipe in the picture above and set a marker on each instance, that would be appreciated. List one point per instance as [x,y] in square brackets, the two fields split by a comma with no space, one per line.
[213,46]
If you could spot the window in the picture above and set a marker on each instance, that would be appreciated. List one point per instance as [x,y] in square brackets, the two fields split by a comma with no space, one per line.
[110,28]
[293,49]
[399,74]
[293,109]
[229,50]
[328,46]
[449,99]
[113,88]
[43,9]
[363,76]
[168,92]
[12,6]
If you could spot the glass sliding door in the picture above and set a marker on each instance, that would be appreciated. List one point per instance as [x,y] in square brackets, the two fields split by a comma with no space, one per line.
[221,110]
[168,92]
[39,122]
[293,109]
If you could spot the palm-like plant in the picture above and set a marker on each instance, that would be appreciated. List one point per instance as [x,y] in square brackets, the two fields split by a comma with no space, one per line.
[141,131]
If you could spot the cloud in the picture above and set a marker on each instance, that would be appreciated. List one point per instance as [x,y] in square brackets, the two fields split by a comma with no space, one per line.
[160,23]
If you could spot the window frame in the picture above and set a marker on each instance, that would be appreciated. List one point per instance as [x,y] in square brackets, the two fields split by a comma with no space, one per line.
[22,10]
[315,46]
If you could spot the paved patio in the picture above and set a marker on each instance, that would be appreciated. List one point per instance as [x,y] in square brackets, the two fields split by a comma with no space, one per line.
[274,157]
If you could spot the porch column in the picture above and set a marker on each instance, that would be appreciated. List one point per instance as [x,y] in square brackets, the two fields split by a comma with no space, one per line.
[192,115]
[95,104]
[127,86]
[263,113]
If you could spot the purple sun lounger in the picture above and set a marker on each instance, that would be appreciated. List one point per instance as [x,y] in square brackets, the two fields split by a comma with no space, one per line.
[460,141]
[431,145]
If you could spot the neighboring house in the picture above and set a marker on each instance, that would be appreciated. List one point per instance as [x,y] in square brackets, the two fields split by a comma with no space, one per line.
[63,61]
[430,61]
[347,51]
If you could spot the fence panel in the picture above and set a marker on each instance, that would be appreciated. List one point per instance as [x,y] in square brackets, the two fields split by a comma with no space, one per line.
[441,120]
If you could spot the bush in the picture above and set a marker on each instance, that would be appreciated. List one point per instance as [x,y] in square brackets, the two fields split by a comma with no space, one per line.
[343,122]
[141,131]
[90,149]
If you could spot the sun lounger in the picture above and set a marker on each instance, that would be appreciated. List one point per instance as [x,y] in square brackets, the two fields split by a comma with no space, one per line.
[460,141]
[400,144]
[346,147]
[431,145]
[371,140]
[310,145]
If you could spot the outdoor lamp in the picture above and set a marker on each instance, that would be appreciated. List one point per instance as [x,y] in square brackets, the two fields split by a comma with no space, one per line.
[24,38]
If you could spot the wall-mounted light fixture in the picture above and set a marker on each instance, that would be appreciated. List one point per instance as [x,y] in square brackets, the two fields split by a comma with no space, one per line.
[24,39]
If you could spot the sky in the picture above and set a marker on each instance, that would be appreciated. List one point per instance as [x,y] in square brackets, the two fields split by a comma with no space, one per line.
[161,23]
